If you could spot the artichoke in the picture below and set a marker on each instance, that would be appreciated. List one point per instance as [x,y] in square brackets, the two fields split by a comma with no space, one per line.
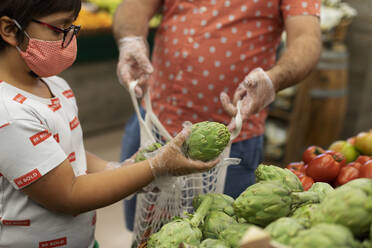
[284,229]
[206,141]
[150,148]
[234,234]
[325,235]
[215,223]
[349,206]
[171,235]
[364,184]
[185,245]
[266,201]
[367,244]
[323,189]
[221,202]
[214,243]
[305,214]
[273,173]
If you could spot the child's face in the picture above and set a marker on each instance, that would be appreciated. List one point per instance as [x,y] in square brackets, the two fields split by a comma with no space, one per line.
[60,20]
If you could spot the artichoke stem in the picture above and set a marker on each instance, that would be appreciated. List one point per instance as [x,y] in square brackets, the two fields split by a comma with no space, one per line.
[304,197]
[201,212]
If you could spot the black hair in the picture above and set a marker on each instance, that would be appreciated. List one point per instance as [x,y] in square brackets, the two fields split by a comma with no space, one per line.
[23,11]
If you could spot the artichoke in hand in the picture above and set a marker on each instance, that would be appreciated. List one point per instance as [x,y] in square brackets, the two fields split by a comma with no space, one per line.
[206,141]
[171,235]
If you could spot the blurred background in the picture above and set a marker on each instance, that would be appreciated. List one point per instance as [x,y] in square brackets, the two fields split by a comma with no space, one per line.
[333,103]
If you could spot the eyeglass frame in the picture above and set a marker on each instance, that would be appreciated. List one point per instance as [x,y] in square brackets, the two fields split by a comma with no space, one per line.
[64,31]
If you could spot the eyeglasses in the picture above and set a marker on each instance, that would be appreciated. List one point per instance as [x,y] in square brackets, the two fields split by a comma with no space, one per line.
[68,33]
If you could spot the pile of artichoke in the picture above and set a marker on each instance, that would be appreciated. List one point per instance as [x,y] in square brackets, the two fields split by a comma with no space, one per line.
[320,217]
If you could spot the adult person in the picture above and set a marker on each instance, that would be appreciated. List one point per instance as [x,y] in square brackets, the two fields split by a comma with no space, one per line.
[206,47]
[50,185]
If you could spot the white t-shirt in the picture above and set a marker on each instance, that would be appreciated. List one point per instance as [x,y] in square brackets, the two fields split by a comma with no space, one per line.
[36,135]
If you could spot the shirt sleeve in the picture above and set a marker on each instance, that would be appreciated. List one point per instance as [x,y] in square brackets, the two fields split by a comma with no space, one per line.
[28,151]
[300,7]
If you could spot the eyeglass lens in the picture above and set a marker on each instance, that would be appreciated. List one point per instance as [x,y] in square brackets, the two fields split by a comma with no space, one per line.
[68,37]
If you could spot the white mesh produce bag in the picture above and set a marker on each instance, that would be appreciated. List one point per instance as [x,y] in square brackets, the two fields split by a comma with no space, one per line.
[168,197]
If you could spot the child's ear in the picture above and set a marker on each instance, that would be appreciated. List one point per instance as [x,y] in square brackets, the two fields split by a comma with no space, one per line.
[8,31]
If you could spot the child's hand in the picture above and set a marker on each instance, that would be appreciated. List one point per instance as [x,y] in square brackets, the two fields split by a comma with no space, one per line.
[171,161]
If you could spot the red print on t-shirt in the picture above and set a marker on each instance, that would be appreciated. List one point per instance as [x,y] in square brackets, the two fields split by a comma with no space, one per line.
[72,157]
[74,123]
[68,94]
[27,178]
[53,243]
[40,137]
[20,98]
[55,104]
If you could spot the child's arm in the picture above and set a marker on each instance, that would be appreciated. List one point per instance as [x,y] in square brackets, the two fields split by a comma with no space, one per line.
[96,164]
[59,190]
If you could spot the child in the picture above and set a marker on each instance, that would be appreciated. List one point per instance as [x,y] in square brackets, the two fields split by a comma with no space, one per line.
[50,186]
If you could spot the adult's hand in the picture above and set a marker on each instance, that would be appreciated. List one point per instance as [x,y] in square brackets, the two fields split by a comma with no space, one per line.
[134,63]
[171,161]
[256,92]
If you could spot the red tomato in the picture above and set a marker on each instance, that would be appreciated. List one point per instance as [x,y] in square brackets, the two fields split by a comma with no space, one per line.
[347,174]
[338,156]
[297,166]
[307,182]
[311,152]
[366,170]
[356,165]
[362,159]
[323,168]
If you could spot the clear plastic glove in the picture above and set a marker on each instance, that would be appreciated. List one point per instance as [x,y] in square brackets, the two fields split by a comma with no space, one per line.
[114,165]
[170,160]
[134,63]
[256,92]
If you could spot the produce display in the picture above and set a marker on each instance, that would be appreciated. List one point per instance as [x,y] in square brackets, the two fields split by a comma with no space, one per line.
[97,15]
[283,230]
[181,230]
[206,141]
[295,216]
[343,161]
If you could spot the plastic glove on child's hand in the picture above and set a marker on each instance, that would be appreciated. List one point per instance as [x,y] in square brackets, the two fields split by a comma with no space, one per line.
[170,160]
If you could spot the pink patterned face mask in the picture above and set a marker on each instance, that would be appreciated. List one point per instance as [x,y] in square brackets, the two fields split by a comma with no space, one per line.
[48,58]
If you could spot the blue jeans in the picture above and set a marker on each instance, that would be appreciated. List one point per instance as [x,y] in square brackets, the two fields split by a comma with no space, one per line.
[238,177]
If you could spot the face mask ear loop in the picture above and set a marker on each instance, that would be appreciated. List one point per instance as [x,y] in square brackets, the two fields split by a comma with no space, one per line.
[20,28]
